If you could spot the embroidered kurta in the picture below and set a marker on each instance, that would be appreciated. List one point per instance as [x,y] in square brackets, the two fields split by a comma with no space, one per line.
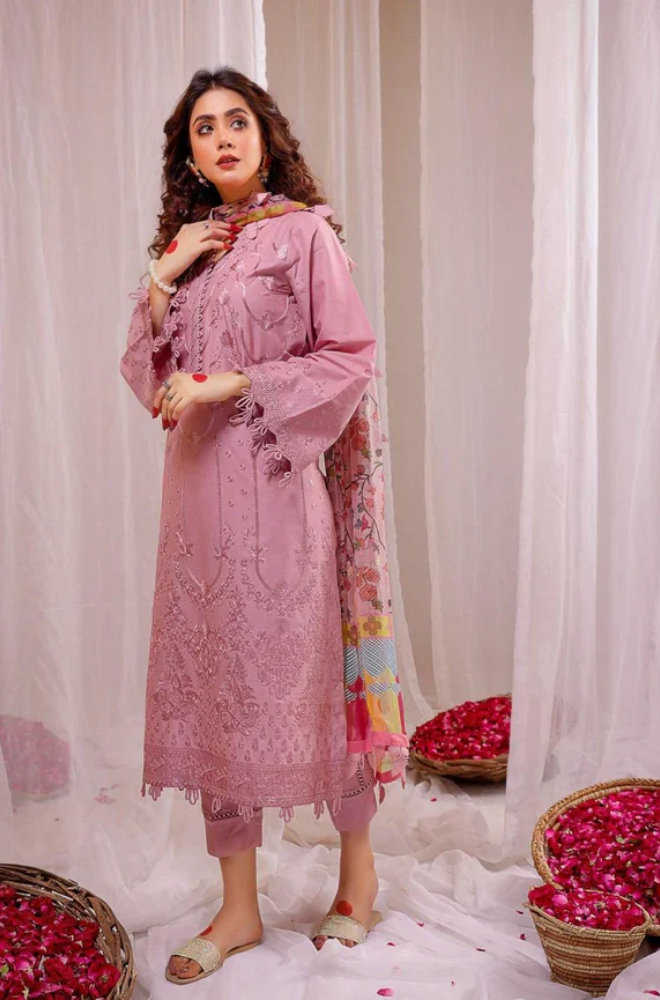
[245,694]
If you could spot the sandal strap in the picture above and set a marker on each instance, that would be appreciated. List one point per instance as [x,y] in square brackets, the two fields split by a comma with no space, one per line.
[336,926]
[202,951]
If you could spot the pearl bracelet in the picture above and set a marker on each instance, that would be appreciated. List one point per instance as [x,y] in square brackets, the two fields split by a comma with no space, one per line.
[170,289]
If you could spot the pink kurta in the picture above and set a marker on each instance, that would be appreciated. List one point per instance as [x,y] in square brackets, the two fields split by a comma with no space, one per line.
[245,695]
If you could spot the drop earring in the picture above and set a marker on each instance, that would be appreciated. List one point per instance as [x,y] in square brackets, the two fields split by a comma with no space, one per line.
[264,170]
[200,177]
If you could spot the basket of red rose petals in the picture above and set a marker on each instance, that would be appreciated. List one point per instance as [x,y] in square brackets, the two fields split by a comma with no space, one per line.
[59,940]
[467,742]
[605,837]
[588,936]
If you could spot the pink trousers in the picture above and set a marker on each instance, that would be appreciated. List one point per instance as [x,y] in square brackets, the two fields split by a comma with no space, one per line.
[227,833]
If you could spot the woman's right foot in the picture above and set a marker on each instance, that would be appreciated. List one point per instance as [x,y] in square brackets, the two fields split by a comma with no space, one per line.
[232,927]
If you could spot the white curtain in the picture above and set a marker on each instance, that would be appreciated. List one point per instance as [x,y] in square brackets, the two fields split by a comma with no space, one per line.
[541,323]
[587,654]
[87,88]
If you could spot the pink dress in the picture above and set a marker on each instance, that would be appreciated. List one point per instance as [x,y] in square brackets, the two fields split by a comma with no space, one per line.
[245,696]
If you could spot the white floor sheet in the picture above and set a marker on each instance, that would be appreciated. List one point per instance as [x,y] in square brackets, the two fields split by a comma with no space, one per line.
[443,896]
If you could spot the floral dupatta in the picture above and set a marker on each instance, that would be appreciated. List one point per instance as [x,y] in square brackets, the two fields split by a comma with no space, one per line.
[356,484]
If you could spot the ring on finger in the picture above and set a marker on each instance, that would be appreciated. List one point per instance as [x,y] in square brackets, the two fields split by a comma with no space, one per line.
[169,395]
[166,385]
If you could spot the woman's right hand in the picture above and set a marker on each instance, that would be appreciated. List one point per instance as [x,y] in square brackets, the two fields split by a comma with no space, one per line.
[193,240]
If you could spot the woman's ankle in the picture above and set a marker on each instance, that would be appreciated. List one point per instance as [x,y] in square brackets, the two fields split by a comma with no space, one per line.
[247,905]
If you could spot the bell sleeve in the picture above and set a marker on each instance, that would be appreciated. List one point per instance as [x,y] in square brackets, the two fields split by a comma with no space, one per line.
[148,360]
[296,408]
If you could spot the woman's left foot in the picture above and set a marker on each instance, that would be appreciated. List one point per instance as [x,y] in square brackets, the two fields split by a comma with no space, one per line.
[358,888]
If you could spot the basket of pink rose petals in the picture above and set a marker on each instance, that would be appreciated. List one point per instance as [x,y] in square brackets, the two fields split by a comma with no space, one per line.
[605,837]
[588,936]
[469,742]
[58,939]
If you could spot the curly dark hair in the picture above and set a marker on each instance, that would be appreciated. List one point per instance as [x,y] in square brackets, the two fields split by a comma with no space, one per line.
[185,199]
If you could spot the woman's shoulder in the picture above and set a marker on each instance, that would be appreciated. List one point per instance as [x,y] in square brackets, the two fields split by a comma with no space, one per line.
[309,220]
[308,230]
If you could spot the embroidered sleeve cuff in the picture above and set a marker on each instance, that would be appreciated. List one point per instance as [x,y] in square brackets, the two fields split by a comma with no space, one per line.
[259,408]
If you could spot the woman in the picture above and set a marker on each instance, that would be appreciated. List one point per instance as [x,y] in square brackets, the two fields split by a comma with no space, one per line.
[253,347]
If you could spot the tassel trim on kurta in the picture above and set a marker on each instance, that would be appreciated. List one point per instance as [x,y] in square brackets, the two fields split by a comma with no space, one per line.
[246,812]
[250,413]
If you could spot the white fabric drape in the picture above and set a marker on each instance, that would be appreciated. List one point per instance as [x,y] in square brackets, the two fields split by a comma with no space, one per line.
[542,489]
[587,660]
[88,87]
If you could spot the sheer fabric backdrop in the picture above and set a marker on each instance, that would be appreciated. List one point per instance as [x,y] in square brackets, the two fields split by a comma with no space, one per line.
[542,488]
[88,87]
[587,659]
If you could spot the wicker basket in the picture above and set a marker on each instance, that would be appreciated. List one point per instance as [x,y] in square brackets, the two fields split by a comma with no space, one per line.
[586,958]
[492,769]
[71,898]
[549,820]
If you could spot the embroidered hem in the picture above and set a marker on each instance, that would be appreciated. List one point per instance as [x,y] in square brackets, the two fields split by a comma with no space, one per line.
[287,812]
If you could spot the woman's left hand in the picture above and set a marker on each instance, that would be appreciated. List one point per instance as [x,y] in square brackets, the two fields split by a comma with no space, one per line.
[186,389]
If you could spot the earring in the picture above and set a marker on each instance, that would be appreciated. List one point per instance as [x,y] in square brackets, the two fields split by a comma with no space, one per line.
[200,177]
[264,170]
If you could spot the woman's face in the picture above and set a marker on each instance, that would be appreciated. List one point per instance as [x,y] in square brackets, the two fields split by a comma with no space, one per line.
[222,124]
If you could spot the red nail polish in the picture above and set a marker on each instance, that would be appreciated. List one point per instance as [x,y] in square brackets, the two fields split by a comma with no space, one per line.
[154,412]
[234,228]
[175,423]
[165,425]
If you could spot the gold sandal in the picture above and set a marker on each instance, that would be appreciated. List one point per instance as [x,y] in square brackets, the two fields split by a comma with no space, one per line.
[207,956]
[336,926]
